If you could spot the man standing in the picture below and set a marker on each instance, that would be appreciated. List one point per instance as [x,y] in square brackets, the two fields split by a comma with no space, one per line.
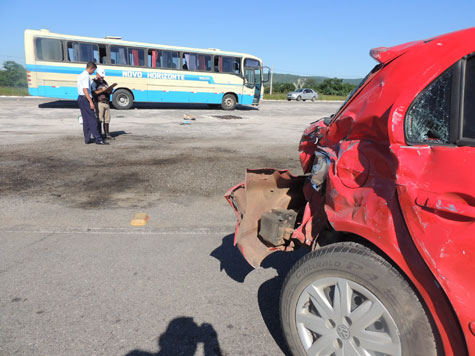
[89,121]
[102,99]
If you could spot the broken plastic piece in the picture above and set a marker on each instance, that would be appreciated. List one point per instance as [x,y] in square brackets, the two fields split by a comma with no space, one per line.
[140,219]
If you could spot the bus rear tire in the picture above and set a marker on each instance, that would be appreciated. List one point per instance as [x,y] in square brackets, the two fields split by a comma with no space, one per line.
[122,99]
[229,102]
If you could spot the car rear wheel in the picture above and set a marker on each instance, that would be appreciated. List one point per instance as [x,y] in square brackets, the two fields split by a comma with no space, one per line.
[344,299]
[314,98]
[299,98]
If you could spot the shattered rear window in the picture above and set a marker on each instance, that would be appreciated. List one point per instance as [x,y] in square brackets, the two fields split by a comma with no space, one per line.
[469,100]
[428,118]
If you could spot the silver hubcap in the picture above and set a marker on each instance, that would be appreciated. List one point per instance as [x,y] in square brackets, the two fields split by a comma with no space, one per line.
[123,100]
[339,317]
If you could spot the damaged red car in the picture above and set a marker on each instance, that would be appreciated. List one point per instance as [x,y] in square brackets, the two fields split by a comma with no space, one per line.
[386,203]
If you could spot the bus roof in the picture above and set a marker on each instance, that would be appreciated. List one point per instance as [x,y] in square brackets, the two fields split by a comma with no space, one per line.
[109,40]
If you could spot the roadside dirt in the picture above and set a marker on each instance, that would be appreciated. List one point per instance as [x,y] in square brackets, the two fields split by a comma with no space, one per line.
[134,171]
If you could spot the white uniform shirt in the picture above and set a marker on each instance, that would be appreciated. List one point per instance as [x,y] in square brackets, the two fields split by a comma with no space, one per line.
[84,81]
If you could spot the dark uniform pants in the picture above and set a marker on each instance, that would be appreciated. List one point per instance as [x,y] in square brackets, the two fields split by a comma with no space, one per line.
[89,120]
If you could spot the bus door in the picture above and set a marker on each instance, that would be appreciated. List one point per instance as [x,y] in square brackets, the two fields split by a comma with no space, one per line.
[254,79]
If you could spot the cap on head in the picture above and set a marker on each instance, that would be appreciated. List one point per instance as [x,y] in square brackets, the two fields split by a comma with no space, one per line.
[101,72]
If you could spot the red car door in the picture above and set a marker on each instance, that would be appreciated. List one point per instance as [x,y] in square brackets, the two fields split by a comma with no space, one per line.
[434,143]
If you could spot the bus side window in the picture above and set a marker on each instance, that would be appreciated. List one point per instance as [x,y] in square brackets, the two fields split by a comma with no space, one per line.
[218,64]
[204,62]
[237,66]
[173,60]
[102,54]
[185,61]
[88,52]
[227,65]
[118,55]
[73,51]
[136,57]
[153,58]
[169,59]
[231,65]
[49,49]
[190,61]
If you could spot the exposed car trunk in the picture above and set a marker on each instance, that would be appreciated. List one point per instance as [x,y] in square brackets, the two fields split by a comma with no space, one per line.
[278,196]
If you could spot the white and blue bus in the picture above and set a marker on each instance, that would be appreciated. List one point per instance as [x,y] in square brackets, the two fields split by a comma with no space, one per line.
[143,72]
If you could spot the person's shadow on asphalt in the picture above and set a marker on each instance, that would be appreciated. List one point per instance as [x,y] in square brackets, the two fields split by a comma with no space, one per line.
[268,295]
[182,338]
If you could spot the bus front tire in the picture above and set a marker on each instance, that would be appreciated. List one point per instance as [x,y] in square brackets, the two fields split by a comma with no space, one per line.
[229,102]
[122,99]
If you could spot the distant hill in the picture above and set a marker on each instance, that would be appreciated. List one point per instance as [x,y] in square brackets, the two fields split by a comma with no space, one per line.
[291,78]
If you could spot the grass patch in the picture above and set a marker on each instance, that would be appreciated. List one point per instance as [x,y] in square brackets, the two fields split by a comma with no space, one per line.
[11,91]
[331,97]
[283,96]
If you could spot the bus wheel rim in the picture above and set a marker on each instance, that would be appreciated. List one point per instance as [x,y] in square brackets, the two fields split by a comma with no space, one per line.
[123,99]
[228,102]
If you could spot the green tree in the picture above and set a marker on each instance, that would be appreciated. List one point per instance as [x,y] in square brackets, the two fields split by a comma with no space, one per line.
[14,75]
[335,86]
[283,87]
[311,83]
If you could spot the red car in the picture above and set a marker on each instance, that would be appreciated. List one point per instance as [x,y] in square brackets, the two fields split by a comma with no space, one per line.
[387,205]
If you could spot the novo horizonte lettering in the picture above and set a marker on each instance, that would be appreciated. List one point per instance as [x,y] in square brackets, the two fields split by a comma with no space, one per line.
[152,75]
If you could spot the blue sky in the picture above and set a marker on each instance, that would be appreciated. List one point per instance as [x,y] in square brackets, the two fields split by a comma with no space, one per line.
[329,38]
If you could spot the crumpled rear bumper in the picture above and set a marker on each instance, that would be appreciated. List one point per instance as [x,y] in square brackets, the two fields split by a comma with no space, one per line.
[263,190]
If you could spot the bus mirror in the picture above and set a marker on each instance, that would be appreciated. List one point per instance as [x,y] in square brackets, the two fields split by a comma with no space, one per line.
[266,73]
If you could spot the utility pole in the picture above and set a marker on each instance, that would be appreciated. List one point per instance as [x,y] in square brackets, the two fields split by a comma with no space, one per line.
[271,77]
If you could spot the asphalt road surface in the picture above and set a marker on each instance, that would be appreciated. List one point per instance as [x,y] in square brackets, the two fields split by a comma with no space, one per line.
[77,279]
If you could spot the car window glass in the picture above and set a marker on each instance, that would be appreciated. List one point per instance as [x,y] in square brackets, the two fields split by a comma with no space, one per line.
[428,118]
[468,130]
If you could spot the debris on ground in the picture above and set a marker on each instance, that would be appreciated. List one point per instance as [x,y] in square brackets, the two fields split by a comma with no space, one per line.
[228,117]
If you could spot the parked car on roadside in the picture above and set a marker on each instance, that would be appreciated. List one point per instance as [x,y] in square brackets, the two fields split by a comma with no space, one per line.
[387,206]
[302,94]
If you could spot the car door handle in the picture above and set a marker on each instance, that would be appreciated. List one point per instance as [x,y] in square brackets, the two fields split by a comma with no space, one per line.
[431,201]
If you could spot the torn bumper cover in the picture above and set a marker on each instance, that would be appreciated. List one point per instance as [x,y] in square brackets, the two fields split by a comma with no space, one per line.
[278,196]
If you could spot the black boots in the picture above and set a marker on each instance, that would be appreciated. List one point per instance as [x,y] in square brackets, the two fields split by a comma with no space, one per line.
[106,131]
[99,128]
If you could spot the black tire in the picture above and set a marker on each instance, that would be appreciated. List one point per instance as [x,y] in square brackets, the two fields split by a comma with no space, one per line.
[314,98]
[289,99]
[122,99]
[373,285]
[299,98]
[228,102]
